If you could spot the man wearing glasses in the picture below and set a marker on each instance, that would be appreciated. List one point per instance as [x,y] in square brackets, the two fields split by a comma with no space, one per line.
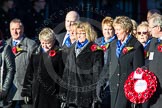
[155,57]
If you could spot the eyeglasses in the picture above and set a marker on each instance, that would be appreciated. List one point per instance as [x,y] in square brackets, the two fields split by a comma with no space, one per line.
[153,27]
[144,33]
[80,33]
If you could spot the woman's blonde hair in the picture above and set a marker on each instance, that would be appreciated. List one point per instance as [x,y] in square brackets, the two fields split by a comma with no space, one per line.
[125,23]
[108,21]
[47,34]
[143,24]
[91,34]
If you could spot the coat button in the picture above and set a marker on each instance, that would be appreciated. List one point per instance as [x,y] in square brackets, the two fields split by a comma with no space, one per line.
[117,85]
[118,74]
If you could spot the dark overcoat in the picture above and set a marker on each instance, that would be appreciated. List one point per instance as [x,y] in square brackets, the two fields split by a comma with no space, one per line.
[155,60]
[60,38]
[81,75]
[99,42]
[117,70]
[41,83]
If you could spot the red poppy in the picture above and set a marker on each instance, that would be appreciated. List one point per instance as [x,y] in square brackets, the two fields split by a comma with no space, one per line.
[159,48]
[52,53]
[14,50]
[94,47]
[104,47]
[126,49]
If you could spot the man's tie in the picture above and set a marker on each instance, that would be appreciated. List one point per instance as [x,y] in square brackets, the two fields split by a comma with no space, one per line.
[14,43]
[66,37]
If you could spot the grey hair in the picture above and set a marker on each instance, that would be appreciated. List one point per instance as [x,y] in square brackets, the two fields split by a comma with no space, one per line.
[47,34]
[156,19]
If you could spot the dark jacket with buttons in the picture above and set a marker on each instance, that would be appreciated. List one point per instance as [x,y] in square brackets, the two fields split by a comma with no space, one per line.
[117,70]
[81,74]
[155,61]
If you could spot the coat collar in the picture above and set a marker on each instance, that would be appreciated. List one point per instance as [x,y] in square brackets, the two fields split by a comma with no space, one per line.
[130,43]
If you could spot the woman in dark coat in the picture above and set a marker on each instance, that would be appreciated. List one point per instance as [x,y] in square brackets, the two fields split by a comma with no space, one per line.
[120,63]
[104,42]
[83,66]
[108,36]
[144,37]
[46,66]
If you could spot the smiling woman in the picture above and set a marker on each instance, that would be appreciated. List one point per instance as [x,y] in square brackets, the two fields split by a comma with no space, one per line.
[48,57]
[125,55]
[47,39]
[83,66]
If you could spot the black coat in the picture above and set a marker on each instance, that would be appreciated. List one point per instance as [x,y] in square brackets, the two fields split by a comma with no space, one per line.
[155,60]
[146,53]
[7,63]
[81,75]
[60,37]
[40,83]
[99,42]
[117,70]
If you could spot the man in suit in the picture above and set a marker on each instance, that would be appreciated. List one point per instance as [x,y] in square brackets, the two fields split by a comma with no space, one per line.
[155,57]
[71,17]
[22,47]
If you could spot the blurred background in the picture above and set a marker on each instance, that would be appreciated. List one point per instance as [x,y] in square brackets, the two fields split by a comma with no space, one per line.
[36,14]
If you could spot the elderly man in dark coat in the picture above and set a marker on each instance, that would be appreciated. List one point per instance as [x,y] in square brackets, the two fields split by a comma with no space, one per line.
[155,57]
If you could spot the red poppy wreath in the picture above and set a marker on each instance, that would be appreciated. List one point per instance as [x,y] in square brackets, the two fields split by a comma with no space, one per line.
[140,86]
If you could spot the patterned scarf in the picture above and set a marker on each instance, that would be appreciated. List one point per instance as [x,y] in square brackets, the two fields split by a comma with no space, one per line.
[120,46]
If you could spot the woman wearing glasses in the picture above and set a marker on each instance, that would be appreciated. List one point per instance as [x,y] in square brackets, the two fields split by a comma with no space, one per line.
[82,69]
[144,38]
